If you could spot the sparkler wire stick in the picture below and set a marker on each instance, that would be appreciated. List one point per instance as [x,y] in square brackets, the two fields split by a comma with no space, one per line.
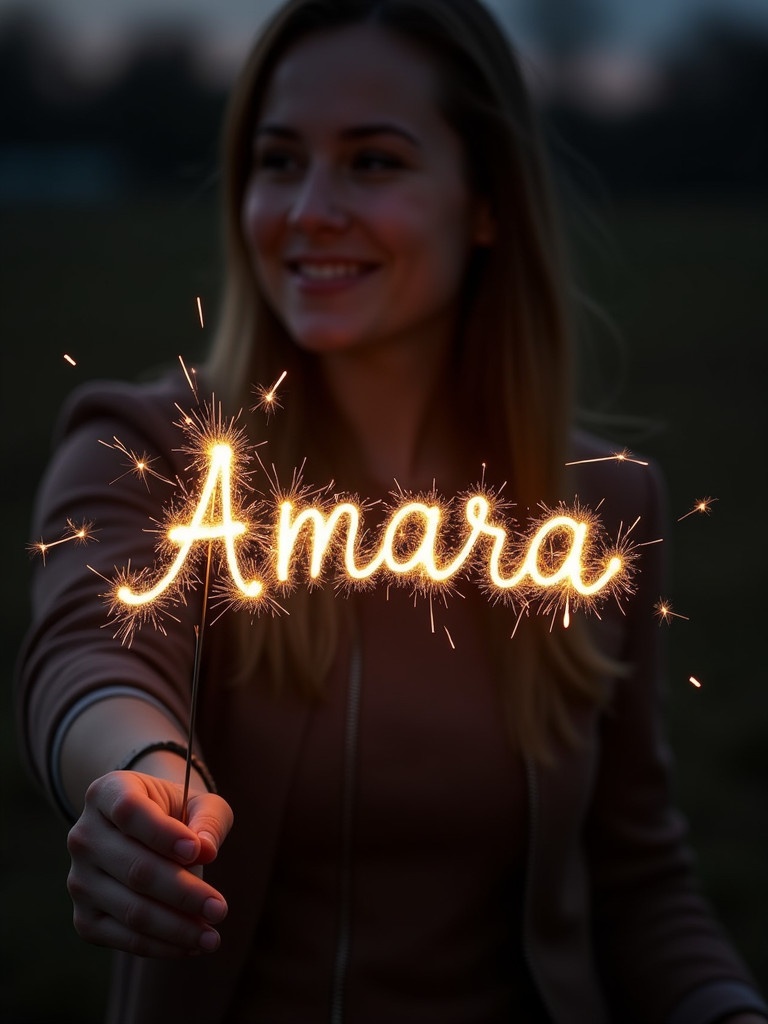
[199,631]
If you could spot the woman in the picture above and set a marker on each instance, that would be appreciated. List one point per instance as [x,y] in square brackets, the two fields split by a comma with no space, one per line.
[422,833]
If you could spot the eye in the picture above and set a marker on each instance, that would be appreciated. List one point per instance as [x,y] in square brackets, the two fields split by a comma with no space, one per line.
[277,160]
[375,160]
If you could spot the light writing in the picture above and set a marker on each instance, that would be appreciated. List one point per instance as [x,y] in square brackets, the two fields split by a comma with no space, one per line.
[561,551]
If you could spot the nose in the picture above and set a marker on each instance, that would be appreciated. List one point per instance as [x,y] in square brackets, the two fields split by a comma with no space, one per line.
[319,202]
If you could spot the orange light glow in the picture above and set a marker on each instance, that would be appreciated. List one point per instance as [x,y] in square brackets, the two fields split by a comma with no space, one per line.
[701,505]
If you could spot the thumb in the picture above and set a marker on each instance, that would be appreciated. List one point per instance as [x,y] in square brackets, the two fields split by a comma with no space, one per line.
[211,818]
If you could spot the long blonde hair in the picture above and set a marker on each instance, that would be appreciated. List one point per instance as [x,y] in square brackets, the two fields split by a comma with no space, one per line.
[513,359]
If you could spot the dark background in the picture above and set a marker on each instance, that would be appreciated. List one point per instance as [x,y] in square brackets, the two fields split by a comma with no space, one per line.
[109,233]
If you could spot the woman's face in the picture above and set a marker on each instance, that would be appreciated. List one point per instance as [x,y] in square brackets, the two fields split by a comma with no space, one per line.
[357,213]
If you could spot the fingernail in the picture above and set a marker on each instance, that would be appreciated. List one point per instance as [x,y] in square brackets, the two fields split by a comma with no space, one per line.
[208,838]
[214,910]
[209,940]
[184,849]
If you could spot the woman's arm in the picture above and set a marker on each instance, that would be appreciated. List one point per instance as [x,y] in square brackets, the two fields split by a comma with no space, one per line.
[130,882]
[105,735]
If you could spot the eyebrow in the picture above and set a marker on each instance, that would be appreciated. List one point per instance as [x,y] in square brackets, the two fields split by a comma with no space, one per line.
[361,131]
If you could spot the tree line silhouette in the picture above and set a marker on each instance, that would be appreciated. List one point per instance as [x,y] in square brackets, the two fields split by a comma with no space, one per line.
[159,118]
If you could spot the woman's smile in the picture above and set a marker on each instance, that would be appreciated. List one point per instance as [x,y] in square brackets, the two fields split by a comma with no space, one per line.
[327,275]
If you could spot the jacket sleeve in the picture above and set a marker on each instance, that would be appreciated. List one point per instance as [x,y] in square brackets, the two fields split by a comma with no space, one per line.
[70,654]
[663,958]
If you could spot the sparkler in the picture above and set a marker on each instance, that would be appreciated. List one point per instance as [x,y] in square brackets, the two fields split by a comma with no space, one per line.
[701,505]
[562,553]
[260,548]
[219,448]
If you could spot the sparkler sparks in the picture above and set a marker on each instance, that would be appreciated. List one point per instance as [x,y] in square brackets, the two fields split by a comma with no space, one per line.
[257,547]
[563,557]
[267,545]
[266,398]
[74,534]
[694,681]
[664,612]
[190,375]
[219,456]
[625,455]
[200,311]
[701,505]
[69,359]
[139,465]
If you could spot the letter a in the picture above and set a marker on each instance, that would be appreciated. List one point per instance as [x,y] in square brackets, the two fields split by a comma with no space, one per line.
[226,529]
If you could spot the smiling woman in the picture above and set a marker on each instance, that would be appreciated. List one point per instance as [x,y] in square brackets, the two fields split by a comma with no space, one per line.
[464,831]
[357,211]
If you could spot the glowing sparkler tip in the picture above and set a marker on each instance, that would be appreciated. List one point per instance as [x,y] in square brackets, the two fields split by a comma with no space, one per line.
[266,398]
[701,505]
[140,465]
[664,612]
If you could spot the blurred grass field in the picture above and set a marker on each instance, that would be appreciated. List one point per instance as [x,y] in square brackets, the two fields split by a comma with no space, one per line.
[686,286]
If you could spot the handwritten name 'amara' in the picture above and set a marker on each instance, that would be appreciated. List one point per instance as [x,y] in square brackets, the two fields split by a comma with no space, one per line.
[411,545]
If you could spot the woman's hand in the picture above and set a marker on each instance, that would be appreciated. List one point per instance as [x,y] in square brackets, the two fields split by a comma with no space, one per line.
[130,879]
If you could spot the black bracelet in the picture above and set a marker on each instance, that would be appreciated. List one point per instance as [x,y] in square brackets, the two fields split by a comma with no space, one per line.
[174,748]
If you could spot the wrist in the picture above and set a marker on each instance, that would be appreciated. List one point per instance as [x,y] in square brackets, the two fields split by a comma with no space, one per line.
[167,759]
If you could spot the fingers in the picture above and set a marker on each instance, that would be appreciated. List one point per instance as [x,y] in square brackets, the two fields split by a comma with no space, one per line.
[129,884]
[110,914]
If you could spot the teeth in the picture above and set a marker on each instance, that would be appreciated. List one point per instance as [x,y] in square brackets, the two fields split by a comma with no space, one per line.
[328,271]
